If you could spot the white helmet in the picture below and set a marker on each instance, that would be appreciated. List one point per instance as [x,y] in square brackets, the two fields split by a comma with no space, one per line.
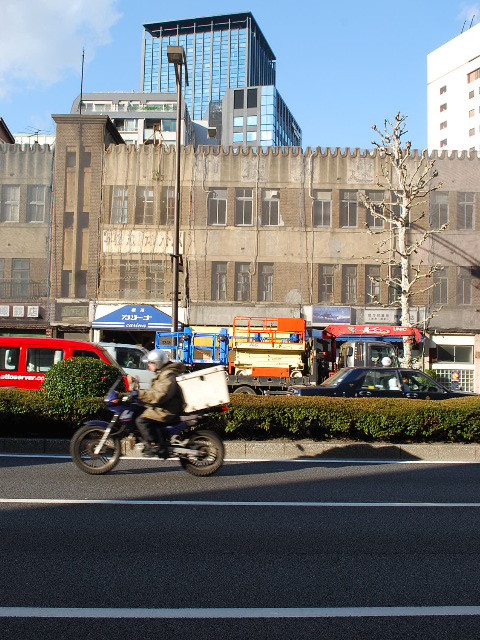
[386,362]
[157,357]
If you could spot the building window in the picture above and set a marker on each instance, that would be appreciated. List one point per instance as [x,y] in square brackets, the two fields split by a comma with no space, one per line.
[81,284]
[20,276]
[438,210]
[471,94]
[217,207]
[325,283]
[66,284]
[270,208]
[265,282]
[394,286]
[455,353]
[443,89]
[36,203]
[443,143]
[10,203]
[238,121]
[238,137]
[251,121]
[471,113]
[349,284]
[167,206]
[372,284]
[251,98]
[443,107]
[144,209]
[348,209]
[464,286]
[471,132]
[71,159]
[251,136]
[396,206]
[128,279]
[473,75]
[119,205]
[376,198]
[155,279]
[238,99]
[243,207]
[219,281]
[465,210]
[443,125]
[242,281]
[440,289]
[322,209]
[169,125]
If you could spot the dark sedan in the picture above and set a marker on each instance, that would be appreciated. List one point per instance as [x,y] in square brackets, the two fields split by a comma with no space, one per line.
[366,382]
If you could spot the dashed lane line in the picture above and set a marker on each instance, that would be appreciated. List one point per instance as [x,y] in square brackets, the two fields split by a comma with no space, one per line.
[242,503]
[240,612]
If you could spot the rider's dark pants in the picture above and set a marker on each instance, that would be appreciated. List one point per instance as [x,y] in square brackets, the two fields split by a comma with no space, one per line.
[150,430]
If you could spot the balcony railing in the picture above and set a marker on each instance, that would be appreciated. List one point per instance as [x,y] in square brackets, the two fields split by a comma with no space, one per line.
[22,290]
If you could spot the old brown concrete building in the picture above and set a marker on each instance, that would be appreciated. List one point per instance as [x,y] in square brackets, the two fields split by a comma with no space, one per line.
[270,234]
[80,147]
[25,248]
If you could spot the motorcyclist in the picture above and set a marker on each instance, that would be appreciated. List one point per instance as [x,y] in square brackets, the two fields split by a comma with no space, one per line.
[164,401]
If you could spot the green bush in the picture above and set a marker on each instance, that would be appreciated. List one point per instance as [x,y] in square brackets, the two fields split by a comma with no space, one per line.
[33,414]
[77,378]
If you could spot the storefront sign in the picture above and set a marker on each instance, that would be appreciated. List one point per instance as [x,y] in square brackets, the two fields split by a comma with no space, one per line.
[32,312]
[18,312]
[137,241]
[331,315]
[381,316]
[74,312]
[4,311]
[142,317]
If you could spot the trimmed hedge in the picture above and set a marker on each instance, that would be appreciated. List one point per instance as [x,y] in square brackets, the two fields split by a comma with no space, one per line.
[31,414]
[76,378]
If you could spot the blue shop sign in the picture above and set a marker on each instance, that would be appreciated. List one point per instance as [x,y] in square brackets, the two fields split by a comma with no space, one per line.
[141,317]
[331,315]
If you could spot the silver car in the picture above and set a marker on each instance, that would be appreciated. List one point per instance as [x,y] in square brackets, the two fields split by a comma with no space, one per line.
[129,358]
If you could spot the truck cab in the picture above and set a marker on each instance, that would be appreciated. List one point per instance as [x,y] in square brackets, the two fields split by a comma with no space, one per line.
[363,353]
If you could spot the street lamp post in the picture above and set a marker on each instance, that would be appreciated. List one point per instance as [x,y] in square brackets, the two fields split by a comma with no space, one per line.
[176,56]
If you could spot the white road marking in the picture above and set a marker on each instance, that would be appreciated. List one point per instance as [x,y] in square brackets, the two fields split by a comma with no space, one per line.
[241,503]
[240,612]
[292,460]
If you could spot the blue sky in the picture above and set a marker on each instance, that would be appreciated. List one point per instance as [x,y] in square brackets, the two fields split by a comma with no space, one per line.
[340,67]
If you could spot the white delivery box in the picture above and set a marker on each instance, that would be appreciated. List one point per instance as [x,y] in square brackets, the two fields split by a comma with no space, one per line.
[204,389]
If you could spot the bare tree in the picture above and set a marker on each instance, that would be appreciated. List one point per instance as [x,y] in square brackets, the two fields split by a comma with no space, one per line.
[409,182]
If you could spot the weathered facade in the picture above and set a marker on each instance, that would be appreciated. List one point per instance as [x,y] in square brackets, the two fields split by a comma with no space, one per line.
[79,153]
[261,234]
[25,250]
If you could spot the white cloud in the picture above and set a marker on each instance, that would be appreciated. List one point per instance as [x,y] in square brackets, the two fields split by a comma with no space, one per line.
[42,40]
[469,10]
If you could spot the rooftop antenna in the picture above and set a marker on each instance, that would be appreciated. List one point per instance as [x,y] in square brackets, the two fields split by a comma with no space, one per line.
[464,22]
[473,17]
[81,83]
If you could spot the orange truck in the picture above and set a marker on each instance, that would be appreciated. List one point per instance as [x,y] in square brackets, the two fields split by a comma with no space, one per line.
[267,355]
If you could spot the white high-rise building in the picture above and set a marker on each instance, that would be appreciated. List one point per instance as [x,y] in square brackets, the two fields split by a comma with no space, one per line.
[453,94]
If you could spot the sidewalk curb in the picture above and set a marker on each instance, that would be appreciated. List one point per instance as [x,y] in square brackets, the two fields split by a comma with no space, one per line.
[286,450]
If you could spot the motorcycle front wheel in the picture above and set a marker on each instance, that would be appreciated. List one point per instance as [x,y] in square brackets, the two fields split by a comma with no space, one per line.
[211,450]
[82,450]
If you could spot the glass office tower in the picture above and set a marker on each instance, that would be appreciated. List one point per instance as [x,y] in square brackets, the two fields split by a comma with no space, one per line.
[223,52]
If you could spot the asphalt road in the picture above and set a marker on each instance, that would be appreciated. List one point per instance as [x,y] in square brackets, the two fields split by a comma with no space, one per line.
[281,549]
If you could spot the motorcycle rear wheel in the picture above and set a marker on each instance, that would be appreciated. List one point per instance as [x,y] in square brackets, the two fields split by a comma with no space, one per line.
[212,450]
[82,450]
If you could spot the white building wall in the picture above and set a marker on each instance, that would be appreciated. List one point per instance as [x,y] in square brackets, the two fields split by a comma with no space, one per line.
[448,67]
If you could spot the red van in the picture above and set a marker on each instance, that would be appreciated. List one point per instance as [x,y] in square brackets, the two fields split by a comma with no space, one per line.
[24,361]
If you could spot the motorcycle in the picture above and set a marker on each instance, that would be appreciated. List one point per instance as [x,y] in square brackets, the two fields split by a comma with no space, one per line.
[96,447]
